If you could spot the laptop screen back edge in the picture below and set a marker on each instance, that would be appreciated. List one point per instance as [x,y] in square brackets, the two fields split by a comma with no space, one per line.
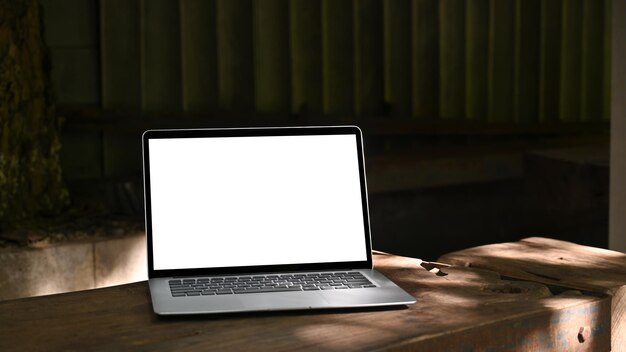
[195,179]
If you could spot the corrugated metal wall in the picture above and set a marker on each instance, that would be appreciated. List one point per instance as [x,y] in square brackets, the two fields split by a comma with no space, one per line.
[494,60]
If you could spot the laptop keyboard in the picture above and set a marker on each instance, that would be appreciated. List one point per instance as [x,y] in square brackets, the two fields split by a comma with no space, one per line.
[229,285]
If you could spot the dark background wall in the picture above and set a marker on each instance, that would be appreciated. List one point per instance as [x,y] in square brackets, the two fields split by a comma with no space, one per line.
[484,120]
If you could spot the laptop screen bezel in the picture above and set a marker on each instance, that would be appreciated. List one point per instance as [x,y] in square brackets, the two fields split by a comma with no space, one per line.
[254,132]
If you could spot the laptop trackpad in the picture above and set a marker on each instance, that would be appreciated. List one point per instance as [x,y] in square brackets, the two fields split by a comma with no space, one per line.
[283,300]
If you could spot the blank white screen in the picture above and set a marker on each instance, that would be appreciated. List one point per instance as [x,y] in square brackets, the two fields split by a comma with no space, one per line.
[245,201]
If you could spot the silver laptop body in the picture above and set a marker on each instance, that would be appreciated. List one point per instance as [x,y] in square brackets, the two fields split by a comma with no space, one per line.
[259,219]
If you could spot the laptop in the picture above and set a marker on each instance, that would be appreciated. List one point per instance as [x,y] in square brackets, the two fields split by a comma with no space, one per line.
[259,219]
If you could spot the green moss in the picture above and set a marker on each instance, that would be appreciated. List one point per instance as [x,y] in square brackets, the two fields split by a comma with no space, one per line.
[30,172]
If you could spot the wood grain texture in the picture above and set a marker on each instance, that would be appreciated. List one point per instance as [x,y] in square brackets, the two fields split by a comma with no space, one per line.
[558,263]
[457,308]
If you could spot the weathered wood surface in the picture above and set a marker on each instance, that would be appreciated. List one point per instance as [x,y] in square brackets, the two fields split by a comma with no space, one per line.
[458,308]
[559,263]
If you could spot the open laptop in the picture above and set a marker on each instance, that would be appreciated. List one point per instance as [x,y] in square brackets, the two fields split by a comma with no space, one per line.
[259,219]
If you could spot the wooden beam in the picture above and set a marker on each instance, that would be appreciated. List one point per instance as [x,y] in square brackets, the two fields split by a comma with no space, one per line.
[559,264]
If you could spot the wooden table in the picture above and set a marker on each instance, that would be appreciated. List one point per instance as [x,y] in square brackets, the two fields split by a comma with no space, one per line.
[558,264]
[458,309]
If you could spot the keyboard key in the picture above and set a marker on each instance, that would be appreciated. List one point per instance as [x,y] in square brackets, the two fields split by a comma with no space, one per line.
[269,290]
[269,283]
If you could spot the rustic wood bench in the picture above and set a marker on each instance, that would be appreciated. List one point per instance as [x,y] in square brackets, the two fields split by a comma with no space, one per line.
[458,308]
[560,265]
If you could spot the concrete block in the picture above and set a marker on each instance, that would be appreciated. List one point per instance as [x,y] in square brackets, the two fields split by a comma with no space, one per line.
[121,260]
[32,272]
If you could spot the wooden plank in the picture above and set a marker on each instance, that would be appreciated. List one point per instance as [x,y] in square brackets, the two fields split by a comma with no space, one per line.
[235,55]
[550,51]
[160,56]
[338,57]
[527,58]
[306,56]
[397,60]
[198,55]
[425,56]
[592,81]
[470,304]
[120,54]
[477,58]
[557,263]
[571,60]
[452,59]
[368,57]
[271,56]
[501,60]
